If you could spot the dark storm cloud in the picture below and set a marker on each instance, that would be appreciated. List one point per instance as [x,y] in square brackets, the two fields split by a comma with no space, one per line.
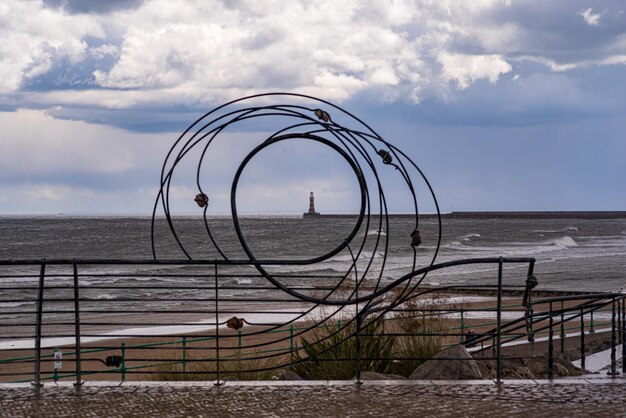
[540,98]
[156,119]
[93,6]
[557,29]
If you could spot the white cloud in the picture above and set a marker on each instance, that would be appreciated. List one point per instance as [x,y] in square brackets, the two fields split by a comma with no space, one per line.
[465,69]
[103,51]
[39,192]
[208,51]
[590,18]
[54,197]
[35,143]
[563,67]
[202,52]
[334,50]
[33,38]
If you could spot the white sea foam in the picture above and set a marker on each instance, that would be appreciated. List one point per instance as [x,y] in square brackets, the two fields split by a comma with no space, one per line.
[14,304]
[565,242]
[468,237]
[104,296]
[347,258]
[516,248]
[566,229]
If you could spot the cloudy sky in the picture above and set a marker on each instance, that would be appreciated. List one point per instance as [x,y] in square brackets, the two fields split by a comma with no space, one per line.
[505,105]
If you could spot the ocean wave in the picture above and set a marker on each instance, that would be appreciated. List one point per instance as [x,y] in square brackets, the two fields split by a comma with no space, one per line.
[468,237]
[604,237]
[376,232]
[103,296]
[347,258]
[14,304]
[566,229]
[516,248]
[565,242]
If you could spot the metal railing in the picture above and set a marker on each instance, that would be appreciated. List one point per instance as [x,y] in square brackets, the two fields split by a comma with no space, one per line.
[117,316]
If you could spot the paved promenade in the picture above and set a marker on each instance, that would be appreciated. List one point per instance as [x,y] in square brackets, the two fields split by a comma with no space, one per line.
[601,397]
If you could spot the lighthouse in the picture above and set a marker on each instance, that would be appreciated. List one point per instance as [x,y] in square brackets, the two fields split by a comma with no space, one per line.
[311,211]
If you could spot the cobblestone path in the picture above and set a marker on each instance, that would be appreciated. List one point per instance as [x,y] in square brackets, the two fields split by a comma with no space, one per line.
[377,399]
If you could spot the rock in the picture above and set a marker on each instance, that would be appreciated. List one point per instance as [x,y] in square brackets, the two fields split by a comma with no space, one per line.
[525,373]
[379,376]
[562,366]
[510,374]
[577,372]
[538,369]
[454,363]
[487,368]
[287,375]
[560,369]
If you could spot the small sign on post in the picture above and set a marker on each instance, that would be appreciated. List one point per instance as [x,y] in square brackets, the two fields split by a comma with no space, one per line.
[58,359]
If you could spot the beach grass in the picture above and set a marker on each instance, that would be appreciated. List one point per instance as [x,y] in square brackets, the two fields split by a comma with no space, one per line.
[251,366]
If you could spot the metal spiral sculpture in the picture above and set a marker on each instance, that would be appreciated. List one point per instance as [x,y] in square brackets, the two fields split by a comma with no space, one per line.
[305,118]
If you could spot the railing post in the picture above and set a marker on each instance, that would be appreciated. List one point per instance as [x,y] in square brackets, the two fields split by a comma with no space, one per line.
[218,382]
[613,372]
[123,368]
[623,334]
[531,332]
[77,328]
[239,345]
[551,345]
[562,330]
[499,326]
[55,375]
[42,273]
[291,345]
[582,339]
[358,350]
[358,326]
[619,321]
[184,354]
[462,328]
[591,330]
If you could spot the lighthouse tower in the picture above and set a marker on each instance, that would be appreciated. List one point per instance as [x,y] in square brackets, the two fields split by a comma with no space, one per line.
[311,211]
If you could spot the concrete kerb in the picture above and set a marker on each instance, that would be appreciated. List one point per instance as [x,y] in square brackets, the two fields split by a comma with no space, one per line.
[584,380]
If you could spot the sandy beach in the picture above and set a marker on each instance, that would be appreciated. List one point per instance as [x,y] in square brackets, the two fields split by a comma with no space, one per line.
[146,349]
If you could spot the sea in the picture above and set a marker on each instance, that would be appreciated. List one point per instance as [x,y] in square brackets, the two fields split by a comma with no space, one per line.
[571,254]
[581,255]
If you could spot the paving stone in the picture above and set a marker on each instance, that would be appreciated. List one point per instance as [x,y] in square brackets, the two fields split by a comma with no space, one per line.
[318,400]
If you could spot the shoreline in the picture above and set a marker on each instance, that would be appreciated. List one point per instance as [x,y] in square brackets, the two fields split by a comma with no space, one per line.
[164,345]
[270,318]
[609,214]
[194,325]
[560,214]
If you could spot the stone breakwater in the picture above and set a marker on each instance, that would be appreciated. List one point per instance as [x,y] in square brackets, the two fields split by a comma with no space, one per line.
[503,215]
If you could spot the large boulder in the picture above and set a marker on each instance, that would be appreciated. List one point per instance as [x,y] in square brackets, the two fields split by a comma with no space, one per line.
[562,366]
[454,363]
